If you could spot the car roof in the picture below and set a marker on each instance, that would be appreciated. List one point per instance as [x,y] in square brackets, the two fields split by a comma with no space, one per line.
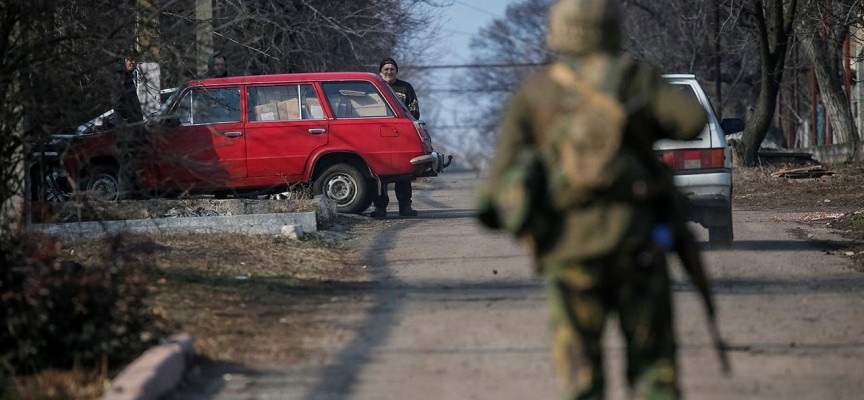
[309,76]
[679,76]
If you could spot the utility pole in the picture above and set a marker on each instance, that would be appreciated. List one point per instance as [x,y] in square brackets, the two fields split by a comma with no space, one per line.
[147,31]
[149,79]
[203,34]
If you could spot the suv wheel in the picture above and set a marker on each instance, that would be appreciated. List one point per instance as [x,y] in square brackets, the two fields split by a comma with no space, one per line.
[345,185]
[102,184]
[721,236]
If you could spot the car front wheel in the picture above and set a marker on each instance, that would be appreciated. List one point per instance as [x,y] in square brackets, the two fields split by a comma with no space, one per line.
[102,184]
[344,184]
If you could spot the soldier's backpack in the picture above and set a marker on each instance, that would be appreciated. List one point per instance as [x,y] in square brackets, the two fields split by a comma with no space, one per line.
[582,147]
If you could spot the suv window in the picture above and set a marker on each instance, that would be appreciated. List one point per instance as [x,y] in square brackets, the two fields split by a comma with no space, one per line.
[209,106]
[688,90]
[283,103]
[356,100]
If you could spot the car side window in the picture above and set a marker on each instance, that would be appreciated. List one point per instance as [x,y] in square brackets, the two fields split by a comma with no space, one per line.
[356,100]
[283,103]
[688,90]
[209,106]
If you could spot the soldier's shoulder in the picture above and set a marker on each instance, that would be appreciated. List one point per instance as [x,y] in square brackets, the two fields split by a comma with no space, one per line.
[538,83]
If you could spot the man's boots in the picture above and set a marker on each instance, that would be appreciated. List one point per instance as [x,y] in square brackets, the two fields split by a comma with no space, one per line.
[379,212]
[407,211]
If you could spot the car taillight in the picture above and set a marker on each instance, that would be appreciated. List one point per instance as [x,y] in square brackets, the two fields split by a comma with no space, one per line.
[694,159]
[424,136]
[421,130]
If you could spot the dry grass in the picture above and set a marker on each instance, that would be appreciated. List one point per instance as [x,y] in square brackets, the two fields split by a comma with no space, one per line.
[62,385]
[248,300]
[756,189]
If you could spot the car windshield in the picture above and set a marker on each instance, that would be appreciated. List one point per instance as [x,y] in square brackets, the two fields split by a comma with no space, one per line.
[170,100]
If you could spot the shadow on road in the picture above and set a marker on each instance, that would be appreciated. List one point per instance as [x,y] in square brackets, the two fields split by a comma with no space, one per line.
[341,374]
[762,286]
[779,245]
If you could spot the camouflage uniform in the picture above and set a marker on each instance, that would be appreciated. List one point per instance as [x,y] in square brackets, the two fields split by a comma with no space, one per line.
[599,256]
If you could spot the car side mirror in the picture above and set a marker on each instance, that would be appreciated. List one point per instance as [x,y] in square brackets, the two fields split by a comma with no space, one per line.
[163,121]
[170,121]
[732,125]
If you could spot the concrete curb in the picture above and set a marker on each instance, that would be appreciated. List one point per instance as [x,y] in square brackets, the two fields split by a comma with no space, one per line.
[155,373]
[254,224]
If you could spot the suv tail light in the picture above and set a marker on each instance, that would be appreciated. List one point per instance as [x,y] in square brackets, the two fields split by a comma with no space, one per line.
[694,159]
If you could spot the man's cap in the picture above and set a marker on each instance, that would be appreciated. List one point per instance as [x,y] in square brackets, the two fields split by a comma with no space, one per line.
[386,61]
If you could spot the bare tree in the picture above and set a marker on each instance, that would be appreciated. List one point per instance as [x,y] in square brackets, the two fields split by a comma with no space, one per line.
[515,46]
[773,24]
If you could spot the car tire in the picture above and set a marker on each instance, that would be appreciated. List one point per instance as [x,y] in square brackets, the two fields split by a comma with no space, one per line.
[721,236]
[102,183]
[344,184]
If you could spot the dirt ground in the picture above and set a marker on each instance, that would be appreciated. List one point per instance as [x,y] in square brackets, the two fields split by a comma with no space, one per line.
[835,200]
[247,300]
[255,302]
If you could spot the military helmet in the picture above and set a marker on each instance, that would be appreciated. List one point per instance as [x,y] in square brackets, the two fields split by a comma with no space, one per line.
[584,26]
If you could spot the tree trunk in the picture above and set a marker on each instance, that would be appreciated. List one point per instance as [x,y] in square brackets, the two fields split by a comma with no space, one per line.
[827,56]
[758,119]
[772,51]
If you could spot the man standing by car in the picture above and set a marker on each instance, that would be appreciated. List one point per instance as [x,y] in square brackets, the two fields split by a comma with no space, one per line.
[575,177]
[130,120]
[388,70]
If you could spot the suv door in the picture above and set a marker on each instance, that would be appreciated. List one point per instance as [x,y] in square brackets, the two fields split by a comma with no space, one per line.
[208,149]
[286,125]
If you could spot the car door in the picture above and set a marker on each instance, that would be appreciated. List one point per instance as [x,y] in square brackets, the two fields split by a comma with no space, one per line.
[365,123]
[286,124]
[208,148]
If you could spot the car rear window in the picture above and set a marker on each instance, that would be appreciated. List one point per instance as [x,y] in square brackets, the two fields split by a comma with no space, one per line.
[356,99]
[687,89]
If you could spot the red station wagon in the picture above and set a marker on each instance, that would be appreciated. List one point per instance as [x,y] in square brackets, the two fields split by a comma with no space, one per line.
[345,133]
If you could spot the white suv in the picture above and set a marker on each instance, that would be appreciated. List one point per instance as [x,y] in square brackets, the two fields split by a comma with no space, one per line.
[703,167]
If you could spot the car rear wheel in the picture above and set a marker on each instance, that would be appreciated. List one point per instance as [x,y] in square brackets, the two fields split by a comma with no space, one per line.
[721,236]
[102,183]
[344,184]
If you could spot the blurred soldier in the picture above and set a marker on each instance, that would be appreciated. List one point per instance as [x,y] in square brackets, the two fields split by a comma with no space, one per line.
[575,178]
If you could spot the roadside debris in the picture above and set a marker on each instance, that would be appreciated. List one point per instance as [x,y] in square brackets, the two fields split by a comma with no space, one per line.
[292,231]
[815,171]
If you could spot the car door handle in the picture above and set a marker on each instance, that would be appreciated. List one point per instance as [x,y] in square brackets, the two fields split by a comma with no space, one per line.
[317,131]
[233,134]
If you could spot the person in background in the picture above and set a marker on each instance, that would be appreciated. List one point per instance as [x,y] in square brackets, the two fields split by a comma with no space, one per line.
[217,66]
[126,102]
[130,121]
[388,70]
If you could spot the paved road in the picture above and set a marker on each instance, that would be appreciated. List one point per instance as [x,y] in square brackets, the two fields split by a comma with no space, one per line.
[457,314]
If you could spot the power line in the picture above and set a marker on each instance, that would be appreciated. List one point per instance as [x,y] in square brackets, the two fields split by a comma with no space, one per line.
[455,127]
[472,66]
[487,12]
[490,90]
